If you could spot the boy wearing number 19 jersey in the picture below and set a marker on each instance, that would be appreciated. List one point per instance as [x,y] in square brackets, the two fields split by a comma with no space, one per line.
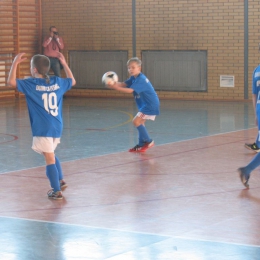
[44,97]
[44,102]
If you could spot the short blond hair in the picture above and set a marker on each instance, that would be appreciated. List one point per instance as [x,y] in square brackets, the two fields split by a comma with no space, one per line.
[136,60]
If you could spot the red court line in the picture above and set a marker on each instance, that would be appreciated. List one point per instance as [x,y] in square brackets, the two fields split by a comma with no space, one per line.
[130,202]
[155,157]
[14,138]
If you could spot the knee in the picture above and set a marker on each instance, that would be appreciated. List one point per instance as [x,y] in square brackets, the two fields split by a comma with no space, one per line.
[137,121]
[49,158]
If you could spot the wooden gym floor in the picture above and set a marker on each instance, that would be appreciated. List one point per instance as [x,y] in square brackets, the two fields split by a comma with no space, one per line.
[182,199]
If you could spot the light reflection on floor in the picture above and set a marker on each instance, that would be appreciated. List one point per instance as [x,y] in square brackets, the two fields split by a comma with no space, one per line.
[180,200]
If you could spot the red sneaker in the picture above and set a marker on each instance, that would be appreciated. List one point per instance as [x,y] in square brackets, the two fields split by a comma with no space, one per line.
[143,148]
[147,146]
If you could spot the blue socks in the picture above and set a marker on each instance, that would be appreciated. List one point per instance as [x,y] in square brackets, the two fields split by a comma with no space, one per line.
[53,176]
[253,164]
[58,166]
[257,140]
[143,135]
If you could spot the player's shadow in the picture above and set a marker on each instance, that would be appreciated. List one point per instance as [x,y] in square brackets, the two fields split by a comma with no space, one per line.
[245,194]
[58,204]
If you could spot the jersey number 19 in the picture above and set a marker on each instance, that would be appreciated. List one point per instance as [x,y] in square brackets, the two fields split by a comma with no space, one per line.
[50,103]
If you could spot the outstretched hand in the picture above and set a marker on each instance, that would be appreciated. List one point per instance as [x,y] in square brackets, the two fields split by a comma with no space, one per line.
[11,80]
[66,67]
[61,58]
[111,84]
[19,58]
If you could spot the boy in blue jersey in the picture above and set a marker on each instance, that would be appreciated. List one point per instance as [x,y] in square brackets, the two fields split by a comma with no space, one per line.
[146,100]
[244,172]
[255,89]
[44,97]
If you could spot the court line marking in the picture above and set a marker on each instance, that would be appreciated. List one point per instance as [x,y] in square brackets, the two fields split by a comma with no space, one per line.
[136,160]
[135,201]
[15,137]
[83,131]
[201,137]
[177,237]
[135,232]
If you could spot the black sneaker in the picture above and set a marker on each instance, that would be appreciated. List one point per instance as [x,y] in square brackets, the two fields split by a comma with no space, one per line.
[243,177]
[54,195]
[137,148]
[253,147]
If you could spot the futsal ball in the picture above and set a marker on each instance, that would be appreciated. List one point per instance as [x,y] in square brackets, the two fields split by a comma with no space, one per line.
[109,77]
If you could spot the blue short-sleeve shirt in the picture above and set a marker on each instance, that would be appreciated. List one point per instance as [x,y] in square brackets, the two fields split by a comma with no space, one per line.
[44,103]
[144,94]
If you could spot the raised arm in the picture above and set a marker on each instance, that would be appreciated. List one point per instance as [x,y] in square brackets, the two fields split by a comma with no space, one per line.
[66,68]
[11,81]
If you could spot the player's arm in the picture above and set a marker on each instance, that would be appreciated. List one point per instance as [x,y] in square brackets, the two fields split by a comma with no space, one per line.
[120,86]
[254,100]
[11,81]
[66,68]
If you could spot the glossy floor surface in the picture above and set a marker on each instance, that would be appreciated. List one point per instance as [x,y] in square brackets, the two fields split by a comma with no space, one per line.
[182,199]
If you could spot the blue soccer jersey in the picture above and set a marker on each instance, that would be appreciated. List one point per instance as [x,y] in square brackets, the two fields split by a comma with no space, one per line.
[256,91]
[256,81]
[145,96]
[44,102]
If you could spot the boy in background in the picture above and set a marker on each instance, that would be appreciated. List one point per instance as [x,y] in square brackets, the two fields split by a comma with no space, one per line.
[146,100]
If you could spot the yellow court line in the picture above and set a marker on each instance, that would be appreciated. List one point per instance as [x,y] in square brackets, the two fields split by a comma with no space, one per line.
[124,123]
[111,127]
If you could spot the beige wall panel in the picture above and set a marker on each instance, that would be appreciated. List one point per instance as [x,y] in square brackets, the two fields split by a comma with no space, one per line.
[216,26]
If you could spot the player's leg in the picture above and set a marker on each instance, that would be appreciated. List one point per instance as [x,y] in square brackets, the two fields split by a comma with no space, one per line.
[145,141]
[143,136]
[257,142]
[52,171]
[245,172]
[254,146]
[46,147]
[63,184]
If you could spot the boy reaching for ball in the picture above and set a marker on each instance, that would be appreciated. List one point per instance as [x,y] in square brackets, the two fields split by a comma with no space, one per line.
[146,99]
[44,96]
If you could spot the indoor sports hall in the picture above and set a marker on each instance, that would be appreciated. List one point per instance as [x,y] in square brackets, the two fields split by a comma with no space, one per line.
[181,199]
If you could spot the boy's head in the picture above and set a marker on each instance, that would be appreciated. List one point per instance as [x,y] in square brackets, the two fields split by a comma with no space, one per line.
[134,66]
[40,64]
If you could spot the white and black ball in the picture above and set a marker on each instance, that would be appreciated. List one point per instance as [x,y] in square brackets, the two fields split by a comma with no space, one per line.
[109,77]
